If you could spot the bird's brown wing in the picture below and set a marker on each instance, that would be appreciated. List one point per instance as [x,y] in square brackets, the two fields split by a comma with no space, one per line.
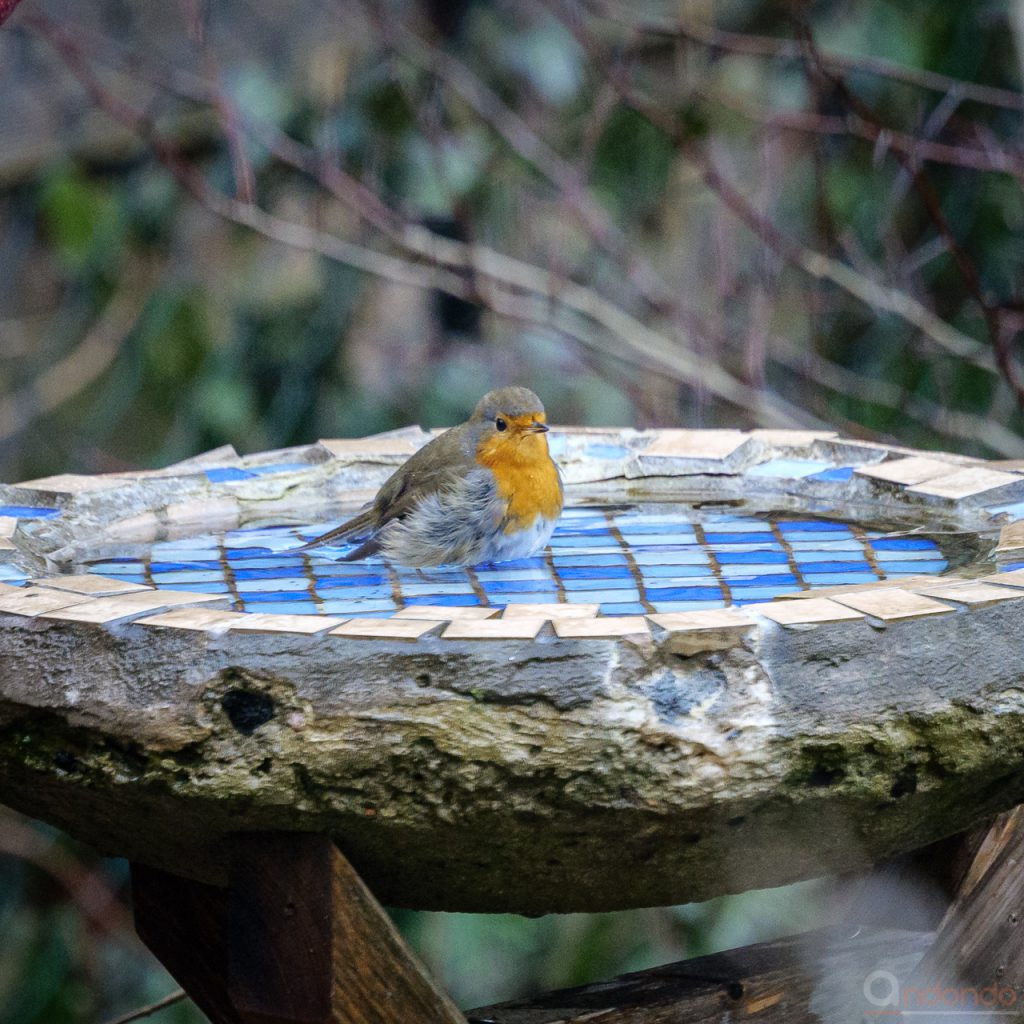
[437,466]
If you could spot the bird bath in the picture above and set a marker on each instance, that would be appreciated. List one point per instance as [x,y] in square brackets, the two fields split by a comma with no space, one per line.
[745,659]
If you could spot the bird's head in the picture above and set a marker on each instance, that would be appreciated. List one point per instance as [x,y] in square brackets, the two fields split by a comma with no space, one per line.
[510,424]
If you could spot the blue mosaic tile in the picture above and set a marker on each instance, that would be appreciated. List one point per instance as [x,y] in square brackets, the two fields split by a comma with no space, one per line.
[589,583]
[808,568]
[682,556]
[419,589]
[733,525]
[837,579]
[634,608]
[762,557]
[28,512]
[517,586]
[461,600]
[686,606]
[223,474]
[917,568]
[813,525]
[735,538]
[588,560]
[257,597]
[173,579]
[838,475]
[597,572]
[1014,510]
[744,595]
[211,587]
[916,555]
[903,544]
[676,571]
[279,586]
[290,608]
[683,593]
[789,469]
[607,596]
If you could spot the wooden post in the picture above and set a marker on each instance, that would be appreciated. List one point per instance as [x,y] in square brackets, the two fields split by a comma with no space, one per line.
[980,942]
[184,923]
[296,939]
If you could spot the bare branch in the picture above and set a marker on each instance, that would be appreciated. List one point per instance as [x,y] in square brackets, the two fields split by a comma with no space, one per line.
[789,49]
[818,265]
[179,995]
[489,271]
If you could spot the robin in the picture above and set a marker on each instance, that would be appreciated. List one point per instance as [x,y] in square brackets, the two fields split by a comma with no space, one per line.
[484,491]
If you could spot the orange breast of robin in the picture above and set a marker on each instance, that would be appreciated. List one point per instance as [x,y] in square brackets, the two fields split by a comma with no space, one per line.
[525,476]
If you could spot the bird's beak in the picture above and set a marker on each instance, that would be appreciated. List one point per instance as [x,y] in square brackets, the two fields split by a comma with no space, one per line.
[537,427]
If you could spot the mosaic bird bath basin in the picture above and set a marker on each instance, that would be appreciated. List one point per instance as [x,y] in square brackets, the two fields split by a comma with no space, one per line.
[744,659]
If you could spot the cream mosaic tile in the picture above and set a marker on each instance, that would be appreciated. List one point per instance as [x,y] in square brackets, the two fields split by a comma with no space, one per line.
[37,601]
[858,588]
[704,618]
[695,444]
[445,612]
[708,629]
[203,620]
[800,613]
[386,629]
[266,622]
[550,611]
[494,629]
[103,610]
[347,447]
[70,483]
[1013,578]
[976,595]
[100,586]
[912,470]
[607,627]
[966,483]
[893,604]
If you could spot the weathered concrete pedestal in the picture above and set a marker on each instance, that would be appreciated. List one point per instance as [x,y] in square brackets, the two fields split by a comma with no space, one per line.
[813,666]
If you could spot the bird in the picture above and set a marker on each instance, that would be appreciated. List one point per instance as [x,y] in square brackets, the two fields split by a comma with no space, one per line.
[486,490]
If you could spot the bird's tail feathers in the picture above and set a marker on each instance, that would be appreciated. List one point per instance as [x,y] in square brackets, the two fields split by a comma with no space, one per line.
[359,525]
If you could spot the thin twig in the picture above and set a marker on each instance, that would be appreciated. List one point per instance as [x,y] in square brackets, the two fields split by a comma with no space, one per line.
[147,1011]
[789,49]
[997,160]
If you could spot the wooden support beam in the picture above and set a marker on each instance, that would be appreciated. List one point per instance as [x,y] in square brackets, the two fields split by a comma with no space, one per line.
[980,942]
[297,938]
[184,923]
[805,979]
[309,943]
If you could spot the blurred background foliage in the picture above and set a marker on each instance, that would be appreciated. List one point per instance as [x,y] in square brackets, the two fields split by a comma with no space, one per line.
[260,224]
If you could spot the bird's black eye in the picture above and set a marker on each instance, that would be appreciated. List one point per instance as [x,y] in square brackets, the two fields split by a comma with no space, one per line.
[501,424]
